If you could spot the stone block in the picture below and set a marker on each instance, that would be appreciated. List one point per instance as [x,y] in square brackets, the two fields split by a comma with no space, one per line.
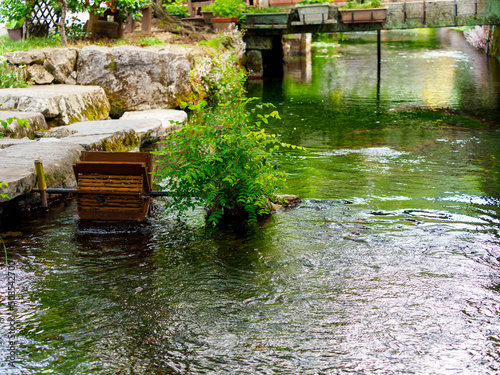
[259,42]
[60,62]
[171,119]
[39,75]
[17,166]
[112,135]
[137,78]
[59,104]
[35,119]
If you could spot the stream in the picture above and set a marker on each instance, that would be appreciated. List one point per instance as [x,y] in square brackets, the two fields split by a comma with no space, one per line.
[391,264]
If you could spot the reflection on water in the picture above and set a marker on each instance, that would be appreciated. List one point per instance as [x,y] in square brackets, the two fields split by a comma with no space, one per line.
[390,265]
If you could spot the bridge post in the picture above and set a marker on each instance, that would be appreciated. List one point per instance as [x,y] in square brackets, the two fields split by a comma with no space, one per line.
[264,55]
[379,52]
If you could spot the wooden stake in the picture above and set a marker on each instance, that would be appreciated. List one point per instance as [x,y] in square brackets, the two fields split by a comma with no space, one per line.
[42,185]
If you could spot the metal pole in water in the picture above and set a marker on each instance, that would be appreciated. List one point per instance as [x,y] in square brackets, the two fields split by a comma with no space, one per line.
[379,52]
[42,185]
[489,41]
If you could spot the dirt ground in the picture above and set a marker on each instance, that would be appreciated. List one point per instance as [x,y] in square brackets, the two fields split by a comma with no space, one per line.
[173,31]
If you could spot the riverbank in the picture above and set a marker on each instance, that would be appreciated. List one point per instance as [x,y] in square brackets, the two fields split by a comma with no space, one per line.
[97,85]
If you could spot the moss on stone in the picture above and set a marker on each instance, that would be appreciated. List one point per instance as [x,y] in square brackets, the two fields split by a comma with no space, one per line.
[126,143]
[91,112]
[118,104]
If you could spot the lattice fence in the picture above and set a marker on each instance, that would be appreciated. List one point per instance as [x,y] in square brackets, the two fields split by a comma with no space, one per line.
[43,17]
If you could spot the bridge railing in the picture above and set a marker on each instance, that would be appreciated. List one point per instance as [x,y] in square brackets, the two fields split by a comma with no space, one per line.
[402,15]
[421,9]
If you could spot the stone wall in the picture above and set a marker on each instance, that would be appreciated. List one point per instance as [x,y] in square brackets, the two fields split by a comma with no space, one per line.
[133,78]
[495,42]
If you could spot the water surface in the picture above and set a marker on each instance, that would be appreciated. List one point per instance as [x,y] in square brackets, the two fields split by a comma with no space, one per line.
[390,265]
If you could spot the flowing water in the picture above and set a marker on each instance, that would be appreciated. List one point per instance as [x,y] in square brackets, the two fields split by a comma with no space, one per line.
[390,265]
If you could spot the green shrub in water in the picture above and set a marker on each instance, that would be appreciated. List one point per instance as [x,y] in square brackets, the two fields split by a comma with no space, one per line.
[223,160]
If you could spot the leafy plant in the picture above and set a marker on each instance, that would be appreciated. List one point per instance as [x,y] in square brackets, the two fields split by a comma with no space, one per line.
[176,7]
[266,10]
[223,160]
[75,29]
[10,120]
[14,12]
[1,194]
[10,76]
[150,41]
[227,8]
[307,2]
[96,8]
[219,75]
[368,4]
[127,7]
[14,24]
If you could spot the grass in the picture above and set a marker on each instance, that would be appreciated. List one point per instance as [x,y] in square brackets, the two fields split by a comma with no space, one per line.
[7,45]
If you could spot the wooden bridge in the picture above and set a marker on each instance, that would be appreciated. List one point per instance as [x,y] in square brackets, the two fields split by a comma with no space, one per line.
[264,37]
[398,15]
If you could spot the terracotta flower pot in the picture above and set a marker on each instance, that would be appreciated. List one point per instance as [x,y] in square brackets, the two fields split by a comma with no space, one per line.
[15,34]
[368,15]
[223,23]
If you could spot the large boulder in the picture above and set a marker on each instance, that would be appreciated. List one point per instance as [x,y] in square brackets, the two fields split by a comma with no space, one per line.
[59,104]
[60,62]
[137,78]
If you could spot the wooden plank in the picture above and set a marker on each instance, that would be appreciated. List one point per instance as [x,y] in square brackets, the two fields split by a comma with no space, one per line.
[107,156]
[114,185]
[96,177]
[116,215]
[110,169]
[110,192]
[126,187]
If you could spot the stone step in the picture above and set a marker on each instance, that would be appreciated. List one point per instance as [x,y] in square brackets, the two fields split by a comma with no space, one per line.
[18,171]
[14,130]
[108,135]
[59,104]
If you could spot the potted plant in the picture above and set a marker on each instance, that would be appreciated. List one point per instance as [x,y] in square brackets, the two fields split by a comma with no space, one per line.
[273,16]
[207,14]
[14,13]
[226,12]
[176,8]
[368,12]
[313,11]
